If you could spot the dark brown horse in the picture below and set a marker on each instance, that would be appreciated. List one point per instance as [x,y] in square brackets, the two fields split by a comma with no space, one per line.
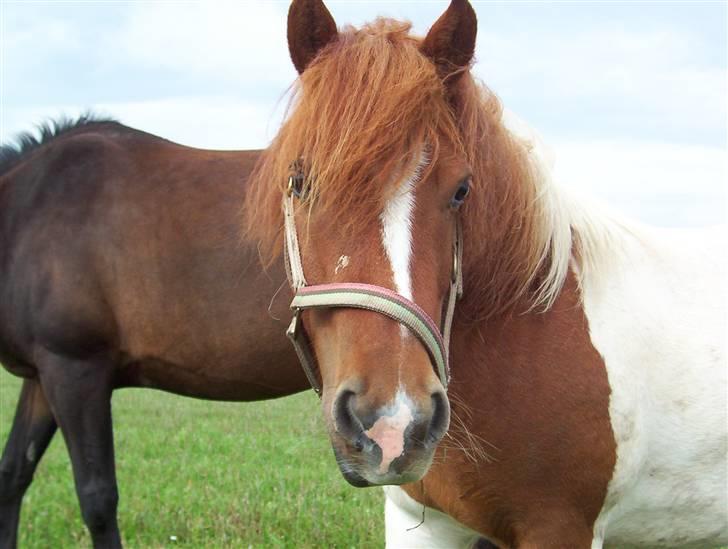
[122,264]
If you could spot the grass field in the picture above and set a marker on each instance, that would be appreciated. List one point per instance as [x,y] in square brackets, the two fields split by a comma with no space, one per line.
[201,474]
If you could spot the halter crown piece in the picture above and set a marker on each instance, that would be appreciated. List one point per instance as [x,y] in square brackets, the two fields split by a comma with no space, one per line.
[364,296]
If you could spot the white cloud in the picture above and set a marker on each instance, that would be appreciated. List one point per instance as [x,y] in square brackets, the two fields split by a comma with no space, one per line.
[34,43]
[229,41]
[659,183]
[657,76]
[215,122]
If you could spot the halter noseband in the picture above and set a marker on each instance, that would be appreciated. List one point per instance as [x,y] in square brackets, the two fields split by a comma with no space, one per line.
[365,296]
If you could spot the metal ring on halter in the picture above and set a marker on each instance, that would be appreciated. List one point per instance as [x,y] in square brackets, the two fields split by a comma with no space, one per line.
[455,264]
[297,175]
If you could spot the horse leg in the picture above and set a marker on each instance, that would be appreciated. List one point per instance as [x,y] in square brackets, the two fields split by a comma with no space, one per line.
[79,393]
[32,430]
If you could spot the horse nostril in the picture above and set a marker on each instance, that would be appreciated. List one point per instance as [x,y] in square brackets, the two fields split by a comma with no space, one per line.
[363,443]
[440,417]
[347,424]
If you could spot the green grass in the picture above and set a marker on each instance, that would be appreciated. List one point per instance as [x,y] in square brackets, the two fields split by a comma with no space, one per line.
[210,474]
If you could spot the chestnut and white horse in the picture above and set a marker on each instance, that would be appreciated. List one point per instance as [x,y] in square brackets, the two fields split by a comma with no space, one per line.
[587,384]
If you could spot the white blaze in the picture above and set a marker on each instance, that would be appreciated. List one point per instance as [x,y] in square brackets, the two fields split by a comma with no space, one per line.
[397,230]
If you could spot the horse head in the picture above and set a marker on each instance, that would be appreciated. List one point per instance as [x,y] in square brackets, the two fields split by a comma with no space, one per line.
[375,176]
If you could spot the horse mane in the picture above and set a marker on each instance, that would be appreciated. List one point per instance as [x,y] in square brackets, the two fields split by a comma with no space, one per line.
[11,153]
[517,226]
[517,229]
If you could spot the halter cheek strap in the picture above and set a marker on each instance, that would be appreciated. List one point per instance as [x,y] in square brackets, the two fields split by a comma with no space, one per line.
[294,266]
[369,297]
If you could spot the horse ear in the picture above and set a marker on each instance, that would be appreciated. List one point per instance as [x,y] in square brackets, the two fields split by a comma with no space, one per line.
[310,28]
[451,40]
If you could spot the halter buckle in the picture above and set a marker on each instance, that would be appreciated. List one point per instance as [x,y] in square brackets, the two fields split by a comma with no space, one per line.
[292,331]
[296,180]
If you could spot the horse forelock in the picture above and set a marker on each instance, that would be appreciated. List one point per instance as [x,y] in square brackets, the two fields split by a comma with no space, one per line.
[359,119]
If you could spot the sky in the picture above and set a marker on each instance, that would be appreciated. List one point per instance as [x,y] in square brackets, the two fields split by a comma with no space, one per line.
[629,96]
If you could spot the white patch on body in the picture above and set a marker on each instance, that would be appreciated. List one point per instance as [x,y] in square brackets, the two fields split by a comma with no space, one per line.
[657,319]
[388,431]
[404,526]
[341,264]
[397,230]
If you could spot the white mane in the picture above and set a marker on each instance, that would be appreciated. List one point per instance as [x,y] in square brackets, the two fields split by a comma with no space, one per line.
[576,231]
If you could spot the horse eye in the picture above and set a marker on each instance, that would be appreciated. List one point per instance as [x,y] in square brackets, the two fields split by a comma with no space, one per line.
[460,194]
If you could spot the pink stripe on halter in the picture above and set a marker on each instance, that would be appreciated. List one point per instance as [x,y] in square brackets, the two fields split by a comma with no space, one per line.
[376,290]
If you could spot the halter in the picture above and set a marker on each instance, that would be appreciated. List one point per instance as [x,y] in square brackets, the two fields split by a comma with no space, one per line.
[365,296]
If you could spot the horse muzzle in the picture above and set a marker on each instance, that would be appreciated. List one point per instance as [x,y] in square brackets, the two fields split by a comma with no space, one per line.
[393,444]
